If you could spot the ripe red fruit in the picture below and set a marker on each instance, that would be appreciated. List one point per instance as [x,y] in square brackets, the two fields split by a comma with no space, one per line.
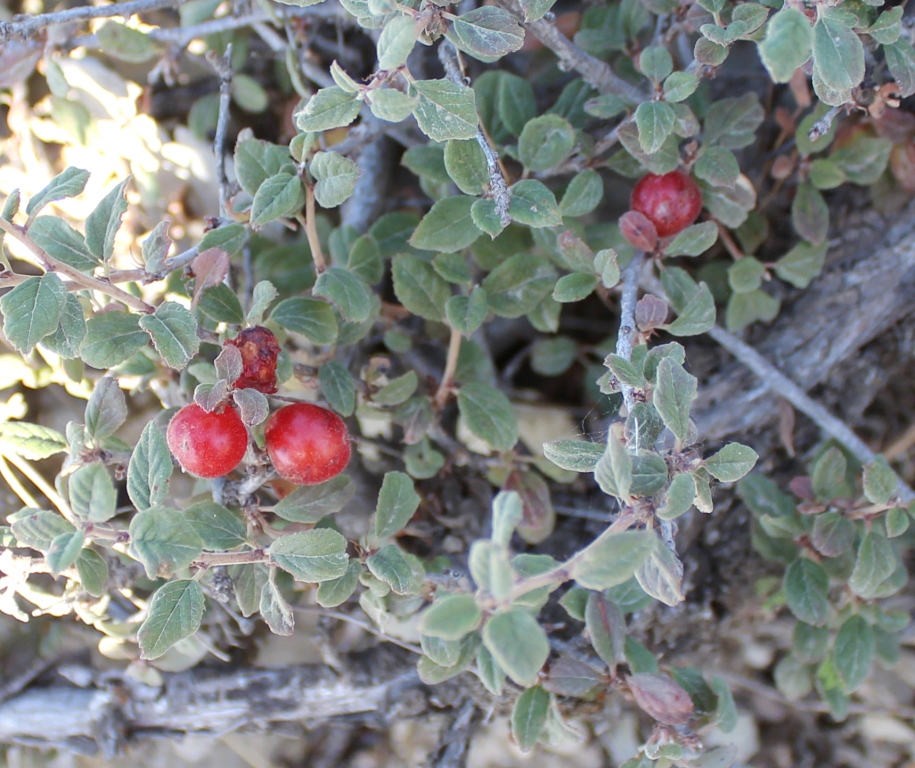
[259,351]
[671,202]
[207,444]
[307,444]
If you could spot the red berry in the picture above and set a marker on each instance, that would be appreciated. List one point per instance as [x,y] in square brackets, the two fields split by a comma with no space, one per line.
[307,444]
[671,202]
[207,444]
[259,351]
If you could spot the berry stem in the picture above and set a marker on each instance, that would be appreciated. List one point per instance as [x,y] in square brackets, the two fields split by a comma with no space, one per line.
[311,230]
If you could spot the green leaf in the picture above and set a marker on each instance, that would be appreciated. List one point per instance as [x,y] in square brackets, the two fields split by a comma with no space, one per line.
[574,287]
[613,472]
[833,534]
[63,242]
[275,610]
[879,481]
[149,469]
[466,313]
[545,142]
[826,174]
[311,556]
[673,395]
[806,586]
[694,240]
[125,43]
[229,238]
[529,717]
[574,455]
[30,441]
[64,551]
[732,462]
[451,617]
[661,576]
[613,559]
[220,303]
[337,591]
[163,541]
[92,493]
[717,166]
[68,183]
[396,41]
[398,390]
[649,473]
[419,287]
[801,264]
[679,86]
[447,227]
[393,568]
[606,627]
[697,316]
[487,33]
[111,338]
[219,528]
[606,265]
[328,108]
[655,63]
[853,652]
[365,260]
[71,330]
[655,121]
[280,195]
[175,612]
[746,308]
[876,561]
[466,165]
[312,318]
[680,495]
[392,105]
[338,387]
[336,178]
[103,223]
[732,122]
[37,528]
[93,572]
[828,474]
[173,330]
[788,43]
[810,644]
[900,58]
[583,194]
[838,54]
[863,161]
[533,205]
[255,162]
[311,503]
[397,503]
[553,356]
[489,415]
[517,643]
[809,214]
[32,310]
[263,295]
[350,294]
[445,110]
[519,284]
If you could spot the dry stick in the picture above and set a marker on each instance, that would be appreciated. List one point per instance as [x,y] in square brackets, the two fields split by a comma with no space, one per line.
[448,55]
[223,67]
[25,28]
[628,300]
[91,283]
[594,71]
[775,381]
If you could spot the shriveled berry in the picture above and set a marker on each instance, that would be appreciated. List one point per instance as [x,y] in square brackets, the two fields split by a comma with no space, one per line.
[307,444]
[259,352]
[671,202]
[207,444]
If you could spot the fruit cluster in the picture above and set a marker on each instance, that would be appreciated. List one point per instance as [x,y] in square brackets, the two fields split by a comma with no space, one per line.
[307,444]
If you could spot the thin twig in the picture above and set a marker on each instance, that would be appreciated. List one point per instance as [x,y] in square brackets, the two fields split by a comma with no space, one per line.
[498,187]
[41,484]
[86,281]
[16,485]
[311,230]
[361,624]
[444,388]
[628,300]
[595,72]
[223,67]
[24,28]
[821,127]
[775,381]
